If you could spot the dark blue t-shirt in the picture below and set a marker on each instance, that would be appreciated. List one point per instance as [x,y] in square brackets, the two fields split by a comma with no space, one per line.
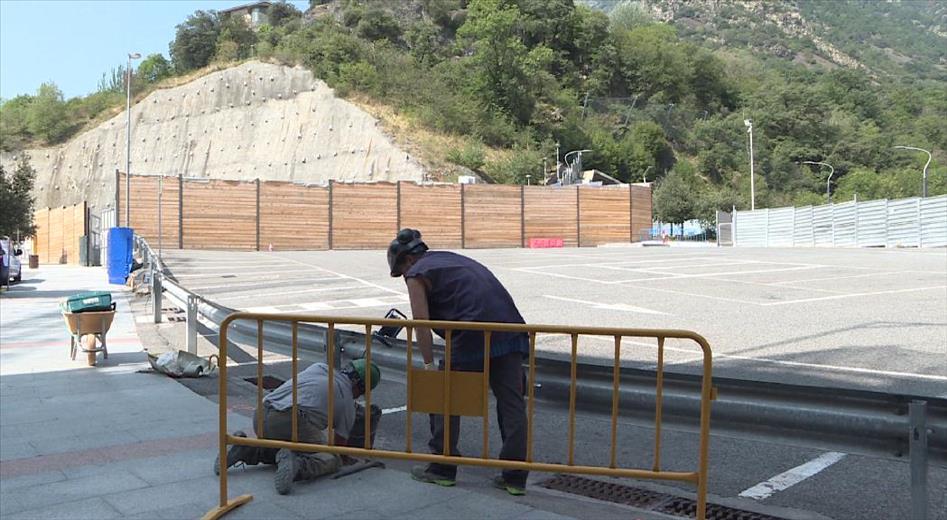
[462,289]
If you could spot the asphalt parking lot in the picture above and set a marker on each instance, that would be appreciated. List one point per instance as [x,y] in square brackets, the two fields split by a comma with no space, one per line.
[861,318]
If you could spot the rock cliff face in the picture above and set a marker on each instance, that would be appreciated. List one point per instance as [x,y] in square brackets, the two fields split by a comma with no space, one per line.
[255,120]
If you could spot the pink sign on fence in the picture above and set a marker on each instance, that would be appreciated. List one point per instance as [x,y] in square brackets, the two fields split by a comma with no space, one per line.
[542,243]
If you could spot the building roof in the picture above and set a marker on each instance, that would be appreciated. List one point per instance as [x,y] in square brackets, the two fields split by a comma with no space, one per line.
[246,6]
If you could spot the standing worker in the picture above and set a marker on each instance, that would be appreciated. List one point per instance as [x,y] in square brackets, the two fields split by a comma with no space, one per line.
[451,287]
[312,419]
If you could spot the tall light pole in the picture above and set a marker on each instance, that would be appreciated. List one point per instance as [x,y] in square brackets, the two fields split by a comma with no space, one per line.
[749,130]
[929,157]
[828,193]
[572,174]
[128,139]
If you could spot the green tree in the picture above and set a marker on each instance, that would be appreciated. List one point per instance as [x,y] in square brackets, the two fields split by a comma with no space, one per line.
[280,13]
[504,69]
[377,24]
[195,41]
[675,199]
[154,68]
[47,117]
[16,200]
[235,40]
[14,122]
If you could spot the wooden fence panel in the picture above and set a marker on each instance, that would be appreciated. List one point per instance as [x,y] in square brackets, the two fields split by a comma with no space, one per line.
[550,213]
[219,215]
[364,216]
[144,216]
[55,236]
[641,217]
[492,216]
[604,214]
[41,240]
[293,217]
[70,243]
[434,210]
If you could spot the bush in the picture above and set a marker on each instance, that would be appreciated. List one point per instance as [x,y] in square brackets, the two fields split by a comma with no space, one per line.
[514,166]
[470,156]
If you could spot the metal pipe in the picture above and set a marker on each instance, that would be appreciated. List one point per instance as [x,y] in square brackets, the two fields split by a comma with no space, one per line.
[485,385]
[532,397]
[828,182]
[616,378]
[447,371]
[259,378]
[295,419]
[409,368]
[128,138]
[658,404]
[575,348]
[368,387]
[330,362]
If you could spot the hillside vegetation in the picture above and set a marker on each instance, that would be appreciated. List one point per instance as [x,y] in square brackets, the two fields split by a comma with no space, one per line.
[653,95]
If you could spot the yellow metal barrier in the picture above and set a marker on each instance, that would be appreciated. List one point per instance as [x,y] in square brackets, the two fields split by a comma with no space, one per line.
[452,392]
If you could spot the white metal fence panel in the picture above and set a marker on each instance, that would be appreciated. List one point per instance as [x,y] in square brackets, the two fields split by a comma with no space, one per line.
[933,212]
[903,229]
[780,222]
[846,224]
[802,235]
[893,223]
[872,226]
[750,229]
[823,234]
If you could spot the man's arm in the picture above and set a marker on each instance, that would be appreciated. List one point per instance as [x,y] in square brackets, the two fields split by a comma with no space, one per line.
[417,294]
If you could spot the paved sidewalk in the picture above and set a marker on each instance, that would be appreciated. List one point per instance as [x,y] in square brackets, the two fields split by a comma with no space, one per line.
[104,442]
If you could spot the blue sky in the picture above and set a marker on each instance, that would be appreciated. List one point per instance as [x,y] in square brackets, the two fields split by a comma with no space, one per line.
[73,42]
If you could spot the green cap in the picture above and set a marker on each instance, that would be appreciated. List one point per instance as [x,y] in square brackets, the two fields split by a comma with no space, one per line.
[359,366]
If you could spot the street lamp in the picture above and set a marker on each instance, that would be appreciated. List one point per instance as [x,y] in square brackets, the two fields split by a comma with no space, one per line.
[828,194]
[644,176]
[929,157]
[128,139]
[749,130]
[528,177]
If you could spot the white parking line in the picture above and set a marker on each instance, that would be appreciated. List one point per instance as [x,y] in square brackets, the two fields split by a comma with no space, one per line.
[302,291]
[386,411]
[852,295]
[790,478]
[607,306]
[366,282]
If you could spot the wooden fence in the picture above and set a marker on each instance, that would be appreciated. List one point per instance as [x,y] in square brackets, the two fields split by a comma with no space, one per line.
[58,231]
[260,215]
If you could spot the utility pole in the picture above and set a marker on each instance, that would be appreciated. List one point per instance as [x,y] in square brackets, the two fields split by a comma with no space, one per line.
[128,140]
[924,178]
[749,130]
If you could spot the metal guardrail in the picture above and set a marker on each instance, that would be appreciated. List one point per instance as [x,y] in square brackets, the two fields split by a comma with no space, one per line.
[451,392]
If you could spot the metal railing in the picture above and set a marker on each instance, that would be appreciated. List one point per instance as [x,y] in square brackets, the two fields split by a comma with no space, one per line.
[451,392]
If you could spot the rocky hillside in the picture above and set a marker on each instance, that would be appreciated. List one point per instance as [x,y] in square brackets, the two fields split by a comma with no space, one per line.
[255,120]
[883,39]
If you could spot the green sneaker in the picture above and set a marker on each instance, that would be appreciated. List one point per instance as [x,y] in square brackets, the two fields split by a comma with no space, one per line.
[421,474]
[516,490]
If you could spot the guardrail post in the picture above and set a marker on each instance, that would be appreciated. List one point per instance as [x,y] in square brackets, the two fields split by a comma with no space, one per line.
[156,293]
[191,324]
[918,449]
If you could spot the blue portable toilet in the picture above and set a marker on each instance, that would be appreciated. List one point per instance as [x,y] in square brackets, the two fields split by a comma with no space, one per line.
[120,254]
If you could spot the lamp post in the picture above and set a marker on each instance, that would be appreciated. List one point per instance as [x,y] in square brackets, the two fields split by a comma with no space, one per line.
[128,139]
[828,194]
[749,130]
[929,157]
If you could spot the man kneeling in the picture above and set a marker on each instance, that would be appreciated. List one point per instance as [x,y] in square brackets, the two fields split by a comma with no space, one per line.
[313,406]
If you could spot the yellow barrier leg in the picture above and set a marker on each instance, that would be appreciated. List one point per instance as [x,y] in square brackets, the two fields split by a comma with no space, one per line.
[220,511]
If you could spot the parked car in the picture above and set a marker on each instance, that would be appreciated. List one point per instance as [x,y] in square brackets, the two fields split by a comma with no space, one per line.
[10,267]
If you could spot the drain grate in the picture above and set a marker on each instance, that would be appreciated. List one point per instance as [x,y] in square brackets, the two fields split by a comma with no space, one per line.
[269,382]
[645,499]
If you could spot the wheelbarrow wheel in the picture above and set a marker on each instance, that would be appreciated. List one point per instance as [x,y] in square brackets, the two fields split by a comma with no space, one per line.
[91,358]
